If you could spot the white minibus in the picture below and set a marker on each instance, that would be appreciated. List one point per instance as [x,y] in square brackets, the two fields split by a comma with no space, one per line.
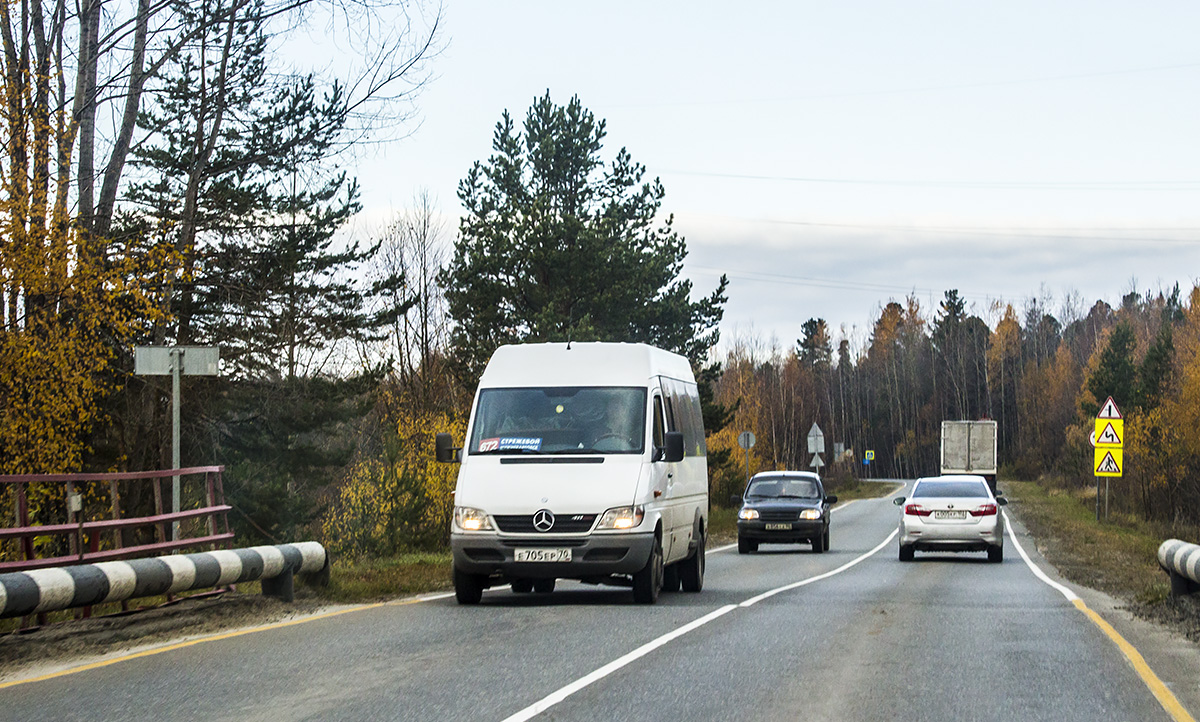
[582,461]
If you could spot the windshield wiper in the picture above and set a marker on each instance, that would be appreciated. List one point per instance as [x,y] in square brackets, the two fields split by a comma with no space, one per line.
[794,496]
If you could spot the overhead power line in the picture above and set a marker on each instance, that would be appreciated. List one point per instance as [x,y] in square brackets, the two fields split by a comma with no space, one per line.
[1145,185]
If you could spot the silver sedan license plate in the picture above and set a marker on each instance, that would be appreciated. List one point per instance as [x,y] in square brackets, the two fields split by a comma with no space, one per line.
[777,527]
[542,555]
[949,515]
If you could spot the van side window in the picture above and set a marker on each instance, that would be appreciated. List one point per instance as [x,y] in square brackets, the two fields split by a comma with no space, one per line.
[660,438]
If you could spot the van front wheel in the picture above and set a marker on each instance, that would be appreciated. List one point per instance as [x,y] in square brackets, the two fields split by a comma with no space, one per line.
[468,588]
[648,582]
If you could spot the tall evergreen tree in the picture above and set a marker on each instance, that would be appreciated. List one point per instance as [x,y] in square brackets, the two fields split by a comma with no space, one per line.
[556,245]
[1115,375]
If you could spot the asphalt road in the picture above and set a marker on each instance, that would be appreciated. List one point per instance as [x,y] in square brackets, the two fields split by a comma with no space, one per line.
[782,634]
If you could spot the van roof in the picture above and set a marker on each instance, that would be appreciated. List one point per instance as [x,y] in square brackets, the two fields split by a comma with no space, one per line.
[583,364]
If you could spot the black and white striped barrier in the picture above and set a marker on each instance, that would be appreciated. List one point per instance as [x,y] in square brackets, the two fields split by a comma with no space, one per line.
[1181,562]
[47,590]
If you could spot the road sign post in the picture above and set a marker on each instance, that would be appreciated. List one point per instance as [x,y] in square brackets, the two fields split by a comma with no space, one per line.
[170,360]
[1108,457]
[746,441]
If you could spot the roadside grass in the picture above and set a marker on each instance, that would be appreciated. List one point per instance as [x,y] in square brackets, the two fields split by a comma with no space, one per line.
[363,580]
[1117,556]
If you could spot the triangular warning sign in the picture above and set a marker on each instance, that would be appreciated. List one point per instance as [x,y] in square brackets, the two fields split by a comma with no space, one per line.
[1108,436]
[1109,410]
[1108,465]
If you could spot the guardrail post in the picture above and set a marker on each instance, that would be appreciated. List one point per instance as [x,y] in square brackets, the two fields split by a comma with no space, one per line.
[282,587]
[1181,585]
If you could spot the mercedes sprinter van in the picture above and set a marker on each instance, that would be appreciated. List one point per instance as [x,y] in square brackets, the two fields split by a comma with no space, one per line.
[582,461]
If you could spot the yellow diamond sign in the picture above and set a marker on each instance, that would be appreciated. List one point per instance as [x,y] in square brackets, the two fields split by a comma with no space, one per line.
[1108,461]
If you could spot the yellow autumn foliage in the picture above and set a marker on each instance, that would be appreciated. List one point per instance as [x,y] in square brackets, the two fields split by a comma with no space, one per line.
[400,502]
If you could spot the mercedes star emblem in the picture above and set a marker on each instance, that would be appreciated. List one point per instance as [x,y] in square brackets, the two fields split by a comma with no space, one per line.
[543,520]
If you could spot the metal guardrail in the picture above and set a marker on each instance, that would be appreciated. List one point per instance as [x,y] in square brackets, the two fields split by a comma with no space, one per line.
[84,535]
[47,590]
[1181,561]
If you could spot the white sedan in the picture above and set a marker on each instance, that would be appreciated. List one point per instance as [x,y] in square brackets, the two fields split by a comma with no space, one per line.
[952,514]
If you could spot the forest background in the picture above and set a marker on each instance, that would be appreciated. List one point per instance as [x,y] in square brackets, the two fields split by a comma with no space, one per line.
[168,181]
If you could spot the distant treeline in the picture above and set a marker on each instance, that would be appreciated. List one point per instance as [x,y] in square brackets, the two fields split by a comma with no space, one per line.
[1040,377]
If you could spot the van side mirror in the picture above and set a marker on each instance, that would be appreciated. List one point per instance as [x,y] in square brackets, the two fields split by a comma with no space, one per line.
[674,447]
[444,449]
[831,499]
[899,500]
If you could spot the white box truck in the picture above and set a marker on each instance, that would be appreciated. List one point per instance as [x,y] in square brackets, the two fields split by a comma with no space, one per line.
[969,447]
[582,461]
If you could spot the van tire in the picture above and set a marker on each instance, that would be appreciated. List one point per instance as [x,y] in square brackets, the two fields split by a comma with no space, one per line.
[468,588]
[691,570]
[648,582]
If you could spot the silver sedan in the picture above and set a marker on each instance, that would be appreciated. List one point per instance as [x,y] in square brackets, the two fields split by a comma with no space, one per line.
[952,514]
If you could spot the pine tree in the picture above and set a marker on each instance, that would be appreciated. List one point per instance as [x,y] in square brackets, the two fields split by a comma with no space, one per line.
[556,245]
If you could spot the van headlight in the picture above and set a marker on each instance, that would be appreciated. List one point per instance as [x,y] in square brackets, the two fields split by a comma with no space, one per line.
[469,519]
[810,514]
[748,513]
[622,517]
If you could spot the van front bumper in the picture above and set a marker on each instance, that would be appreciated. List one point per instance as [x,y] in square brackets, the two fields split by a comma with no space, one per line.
[596,555]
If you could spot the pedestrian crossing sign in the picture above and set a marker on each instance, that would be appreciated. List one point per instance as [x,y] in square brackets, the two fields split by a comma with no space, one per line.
[1108,461]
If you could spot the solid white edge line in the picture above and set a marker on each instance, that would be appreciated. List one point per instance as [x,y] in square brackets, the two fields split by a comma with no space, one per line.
[803,582]
[1070,595]
[554,698]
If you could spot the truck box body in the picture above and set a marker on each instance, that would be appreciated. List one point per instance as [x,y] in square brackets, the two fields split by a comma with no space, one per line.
[969,447]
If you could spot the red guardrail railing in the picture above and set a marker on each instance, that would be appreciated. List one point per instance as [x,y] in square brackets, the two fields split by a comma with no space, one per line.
[86,537]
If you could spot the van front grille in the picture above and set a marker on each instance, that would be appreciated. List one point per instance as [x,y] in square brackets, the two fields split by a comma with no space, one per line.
[563,523]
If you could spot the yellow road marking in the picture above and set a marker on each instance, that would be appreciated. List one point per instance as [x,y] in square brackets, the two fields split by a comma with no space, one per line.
[1160,690]
[213,638]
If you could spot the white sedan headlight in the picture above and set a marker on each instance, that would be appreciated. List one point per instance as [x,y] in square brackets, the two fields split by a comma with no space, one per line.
[748,513]
[810,514]
[622,517]
[469,519]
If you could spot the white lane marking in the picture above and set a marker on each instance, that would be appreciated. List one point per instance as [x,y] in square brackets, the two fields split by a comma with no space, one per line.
[803,582]
[1070,595]
[558,696]
[547,702]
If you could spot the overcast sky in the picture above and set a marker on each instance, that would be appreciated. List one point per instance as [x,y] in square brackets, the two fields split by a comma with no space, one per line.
[830,156]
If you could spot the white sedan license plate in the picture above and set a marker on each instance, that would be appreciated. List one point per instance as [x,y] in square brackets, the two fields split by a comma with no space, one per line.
[776,527]
[949,515]
[542,555]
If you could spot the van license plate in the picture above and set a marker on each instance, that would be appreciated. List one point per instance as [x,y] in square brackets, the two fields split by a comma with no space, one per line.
[777,527]
[542,555]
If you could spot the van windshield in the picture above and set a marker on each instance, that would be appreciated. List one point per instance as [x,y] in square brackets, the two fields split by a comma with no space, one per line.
[560,420]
